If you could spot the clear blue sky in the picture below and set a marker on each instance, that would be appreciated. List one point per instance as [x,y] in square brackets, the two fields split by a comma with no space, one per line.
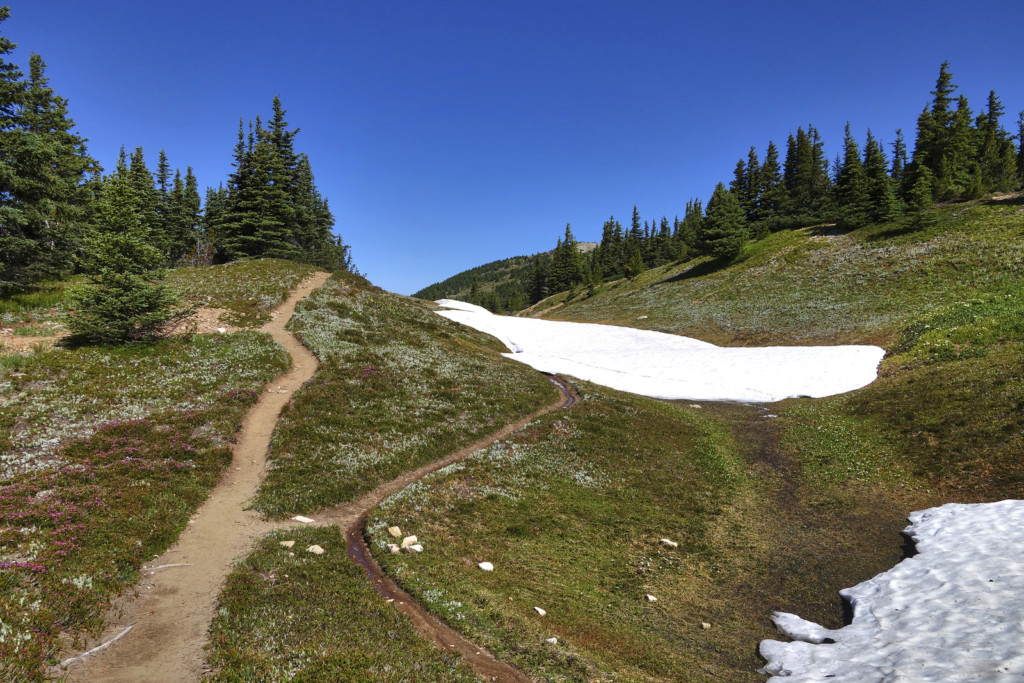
[449,134]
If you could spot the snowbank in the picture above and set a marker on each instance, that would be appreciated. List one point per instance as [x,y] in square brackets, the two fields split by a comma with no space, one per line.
[670,366]
[953,612]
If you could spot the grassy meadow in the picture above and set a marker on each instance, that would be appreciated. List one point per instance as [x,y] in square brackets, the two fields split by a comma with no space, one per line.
[106,451]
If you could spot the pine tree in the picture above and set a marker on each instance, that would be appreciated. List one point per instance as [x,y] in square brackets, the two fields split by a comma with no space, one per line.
[566,269]
[996,156]
[852,190]
[774,197]
[538,280]
[899,159]
[1020,149]
[43,170]
[724,229]
[881,198]
[122,302]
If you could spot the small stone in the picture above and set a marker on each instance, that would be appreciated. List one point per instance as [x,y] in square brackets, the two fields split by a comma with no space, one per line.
[395,531]
[670,544]
[695,405]
[287,544]
[551,641]
[222,330]
[300,518]
[705,625]
[394,549]
[315,549]
[409,540]
[417,548]
[389,600]
[486,566]
[650,598]
[540,611]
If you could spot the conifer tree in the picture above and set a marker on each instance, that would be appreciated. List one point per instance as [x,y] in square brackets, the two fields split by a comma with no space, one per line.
[724,229]
[852,185]
[43,171]
[996,156]
[122,301]
[1020,148]
[538,280]
[774,198]
[899,159]
[881,198]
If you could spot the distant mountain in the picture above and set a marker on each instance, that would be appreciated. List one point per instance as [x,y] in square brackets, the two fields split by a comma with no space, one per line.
[497,280]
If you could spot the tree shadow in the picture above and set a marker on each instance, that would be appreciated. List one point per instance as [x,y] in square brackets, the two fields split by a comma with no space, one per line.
[1016,199]
[700,270]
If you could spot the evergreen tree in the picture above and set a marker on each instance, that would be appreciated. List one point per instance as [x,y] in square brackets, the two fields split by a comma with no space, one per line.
[1020,149]
[43,171]
[852,190]
[566,269]
[538,280]
[774,197]
[881,198]
[996,156]
[122,302]
[899,159]
[724,229]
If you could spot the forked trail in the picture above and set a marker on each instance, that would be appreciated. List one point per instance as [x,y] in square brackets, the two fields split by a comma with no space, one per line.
[171,609]
[159,630]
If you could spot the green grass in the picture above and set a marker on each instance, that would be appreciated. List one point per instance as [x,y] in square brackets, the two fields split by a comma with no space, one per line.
[105,452]
[570,510]
[288,614]
[820,286]
[74,536]
[55,396]
[398,387]
[250,290]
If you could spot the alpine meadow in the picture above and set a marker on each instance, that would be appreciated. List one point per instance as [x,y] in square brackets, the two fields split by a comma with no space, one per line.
[681,446]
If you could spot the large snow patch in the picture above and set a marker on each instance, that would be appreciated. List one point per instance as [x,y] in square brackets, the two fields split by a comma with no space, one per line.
[669,366]
[953,612]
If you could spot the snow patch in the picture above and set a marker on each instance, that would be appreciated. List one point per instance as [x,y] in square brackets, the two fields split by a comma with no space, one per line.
[670,366]
[953,612]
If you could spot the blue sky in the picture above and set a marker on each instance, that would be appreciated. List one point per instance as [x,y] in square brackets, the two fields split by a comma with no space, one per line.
[450,134]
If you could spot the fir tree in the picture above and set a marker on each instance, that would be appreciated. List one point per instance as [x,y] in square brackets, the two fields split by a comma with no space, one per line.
[881,198]
[724,229]
[996,155]
[43,171]
[852,190]
[122,302]
[774,198]
[538,280]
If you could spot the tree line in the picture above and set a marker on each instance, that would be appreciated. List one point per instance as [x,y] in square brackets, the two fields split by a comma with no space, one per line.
[956,156]
[61,215]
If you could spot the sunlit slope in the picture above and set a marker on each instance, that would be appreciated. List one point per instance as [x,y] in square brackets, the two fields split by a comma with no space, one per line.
[822,285]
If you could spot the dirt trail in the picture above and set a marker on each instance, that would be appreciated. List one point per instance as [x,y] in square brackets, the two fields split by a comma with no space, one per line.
[352,518]
[171,608]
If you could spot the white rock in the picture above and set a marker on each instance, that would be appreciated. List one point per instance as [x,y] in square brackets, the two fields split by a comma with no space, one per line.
[540,611]
[222,330]
[486,566]
[668,543]
[304,520]
[697,406]
[650,598]
[315,549]
[394,549]
[394,531]
[287,544]
[417,548]
[551,641]
[409,540]
[705,625]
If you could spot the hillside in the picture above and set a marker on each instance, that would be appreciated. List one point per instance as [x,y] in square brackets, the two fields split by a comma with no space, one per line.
[821,284]
[501,277]
[772,507]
